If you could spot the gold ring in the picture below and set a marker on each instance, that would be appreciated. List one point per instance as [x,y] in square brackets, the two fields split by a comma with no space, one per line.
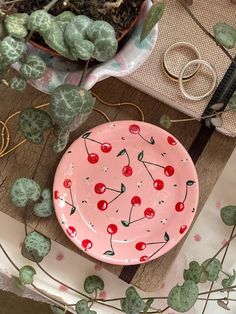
[169,69]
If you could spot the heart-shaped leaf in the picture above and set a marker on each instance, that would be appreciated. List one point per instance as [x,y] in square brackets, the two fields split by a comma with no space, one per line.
[64,18]
[232,103]
[122,152]
[132,303]
[228,215]
[16,25]
[182,298]
[141,155]
[165,121]
[148,305]
[212,269]
[72,35]
[24,190]
[193,273]
[217,106]
[81,23]
[93,283]
[105,49]
[123,188]
[56,310]
[109,252]
[40,21]
[190,182]
[228,282]
[217,121]
[18,83]
[33,68]
[152,141]
[82,49]
[33,123]
[45,208]
[100,29]
[12,49]
[36,246]
[125,223]
[26,275]
[62,140]
[67,102]
[153,17]
[225,35]
[166,237]
[83,308]
[224,305]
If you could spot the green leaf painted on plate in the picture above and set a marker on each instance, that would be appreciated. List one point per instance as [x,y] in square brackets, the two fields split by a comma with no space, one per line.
[123,188]
[109,252]
[122,152]
[166,237]
[190,182]
[125,223]
[141,155]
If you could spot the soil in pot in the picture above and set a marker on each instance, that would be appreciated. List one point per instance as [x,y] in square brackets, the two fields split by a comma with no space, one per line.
[121,18]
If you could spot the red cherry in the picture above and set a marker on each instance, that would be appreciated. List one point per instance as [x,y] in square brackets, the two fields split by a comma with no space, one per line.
[140,246]
[144,258]
[149,213]
[134,129]
[106,147]
[183,229]
[136,201]
[93,158]
[112,229]
[158,184]
[179,207]
[102,205]
[171,140]
[67,183]
[86,244]
[169,171]
[71,231]
[127,171]
[56,195]
[100,188]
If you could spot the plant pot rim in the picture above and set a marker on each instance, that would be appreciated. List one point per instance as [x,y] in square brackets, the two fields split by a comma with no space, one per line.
[123,34]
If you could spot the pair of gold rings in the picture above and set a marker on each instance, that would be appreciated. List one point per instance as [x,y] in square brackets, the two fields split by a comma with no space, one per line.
[182,74]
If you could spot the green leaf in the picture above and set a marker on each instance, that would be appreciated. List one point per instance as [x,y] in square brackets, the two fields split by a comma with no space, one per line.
[125,223]
[24,190]
[217,121]
[72,211]
[225,35]
[193,273]
[122,152]
[228,282]
[213,269]
[153,17]
[165,121]
[40,21]
[83,308]
[81,23]
[141,155]
[64,18]
[182,298]
[18,83]
[232,103]
[105,49]
[17,282]
[166,237]
[33,68]
[132,303]
[67,102]
[61,140]
[33,124]
[16,25]
[36,246]
[44,208]
[57,310]
[93,283]
[109,252]
[100,29]
[26,275]
[228,215]
[190,182]
[72,35]
[12,49]
[123,188]
[82,49]
[148,305]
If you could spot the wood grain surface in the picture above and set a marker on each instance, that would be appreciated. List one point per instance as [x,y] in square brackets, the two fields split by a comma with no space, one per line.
[24,162]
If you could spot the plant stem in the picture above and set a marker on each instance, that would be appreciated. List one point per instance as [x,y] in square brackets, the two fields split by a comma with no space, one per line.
[201,118]
[84,73]
[50,5]
[216,299]
[182,2]
[217,290]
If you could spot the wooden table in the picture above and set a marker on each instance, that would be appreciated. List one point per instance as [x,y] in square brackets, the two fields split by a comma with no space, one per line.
[209,150]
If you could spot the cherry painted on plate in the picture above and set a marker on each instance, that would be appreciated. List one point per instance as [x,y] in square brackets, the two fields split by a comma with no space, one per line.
[101,205]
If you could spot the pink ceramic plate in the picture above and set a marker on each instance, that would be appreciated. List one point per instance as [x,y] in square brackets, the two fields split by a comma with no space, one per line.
[126,192]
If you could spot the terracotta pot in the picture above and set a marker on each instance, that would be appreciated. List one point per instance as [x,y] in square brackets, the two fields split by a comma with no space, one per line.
[121,37]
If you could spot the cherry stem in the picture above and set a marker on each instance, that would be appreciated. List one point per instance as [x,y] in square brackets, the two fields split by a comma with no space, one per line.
[144,138]
[136,220]
[130,213]
[156,243]
[86,147]
[186,194]
[92,140]
[158,250]
[115,198]
[148,171]
[110,189]
[72,205]
[151,163]
[127,157]
[111,244]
